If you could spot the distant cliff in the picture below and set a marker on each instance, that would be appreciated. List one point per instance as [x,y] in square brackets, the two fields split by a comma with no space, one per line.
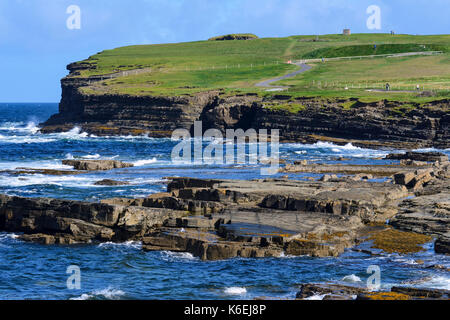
[376,124]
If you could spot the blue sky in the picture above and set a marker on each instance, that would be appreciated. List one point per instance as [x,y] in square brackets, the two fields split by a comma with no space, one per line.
[36,45]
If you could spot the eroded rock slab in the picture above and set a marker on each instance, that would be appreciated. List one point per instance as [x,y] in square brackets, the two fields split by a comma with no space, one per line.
[419,156]
[48,220]
[277,215]
[219,219]
[429,211]
[96,165]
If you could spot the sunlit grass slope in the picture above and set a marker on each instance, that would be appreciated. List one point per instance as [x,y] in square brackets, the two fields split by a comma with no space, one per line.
[236,65]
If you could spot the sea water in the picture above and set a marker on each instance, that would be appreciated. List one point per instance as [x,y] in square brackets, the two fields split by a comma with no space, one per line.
[124,271]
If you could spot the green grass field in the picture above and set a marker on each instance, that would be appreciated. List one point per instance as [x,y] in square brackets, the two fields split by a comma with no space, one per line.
[236,65]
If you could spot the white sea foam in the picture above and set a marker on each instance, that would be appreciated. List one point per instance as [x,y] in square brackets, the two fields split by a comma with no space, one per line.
[29,127]
[351,278]
[288,256]
[91,156]
[41,164]
[431,150]
[235,291]
[437,282]
[406,261]
[176,256]
[30,134]
[144,162]
[10,126]
[127,244]
[338,150]
[74,133]
[142,181]
[40,179]
[316,297]
[108,293]
[7,235]
[14,139]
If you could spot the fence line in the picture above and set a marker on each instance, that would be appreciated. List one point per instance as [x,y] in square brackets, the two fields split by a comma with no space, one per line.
[367,85]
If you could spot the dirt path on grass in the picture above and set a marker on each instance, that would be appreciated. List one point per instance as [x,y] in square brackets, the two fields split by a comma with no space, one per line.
[268,83]
[304,67]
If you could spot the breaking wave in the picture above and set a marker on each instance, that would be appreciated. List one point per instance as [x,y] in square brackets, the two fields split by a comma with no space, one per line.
[235,291]
[104,294]
[336,150]
[351,278]
[177,256]
[140,163]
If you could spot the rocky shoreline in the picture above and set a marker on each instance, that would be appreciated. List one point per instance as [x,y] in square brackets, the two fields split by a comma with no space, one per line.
[219,219]
[216,219]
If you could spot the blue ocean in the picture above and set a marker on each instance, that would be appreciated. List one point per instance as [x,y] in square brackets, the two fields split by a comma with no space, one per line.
[124,271]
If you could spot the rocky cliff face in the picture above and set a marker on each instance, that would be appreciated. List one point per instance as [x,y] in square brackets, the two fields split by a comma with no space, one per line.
[383,123]
[115,114]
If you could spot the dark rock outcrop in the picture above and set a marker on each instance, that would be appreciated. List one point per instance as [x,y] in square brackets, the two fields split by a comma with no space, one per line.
[335,291]
[329,290]
[109,182]
[96,165]
[419,156]
[65,221]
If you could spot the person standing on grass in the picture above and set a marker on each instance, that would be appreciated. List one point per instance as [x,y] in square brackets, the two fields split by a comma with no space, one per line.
[418,87]
[388,87]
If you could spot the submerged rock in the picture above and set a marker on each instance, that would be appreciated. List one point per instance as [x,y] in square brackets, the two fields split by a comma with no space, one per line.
[109,182]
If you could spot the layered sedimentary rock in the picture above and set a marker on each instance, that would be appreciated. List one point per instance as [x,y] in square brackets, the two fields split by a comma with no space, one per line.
[418,156]
[121,114]
[269,217]
[428,212]
[218,219]
[215,219]
[383,123]
[65,221]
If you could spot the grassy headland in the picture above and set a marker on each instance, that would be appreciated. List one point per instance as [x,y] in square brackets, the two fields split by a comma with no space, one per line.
[236,65]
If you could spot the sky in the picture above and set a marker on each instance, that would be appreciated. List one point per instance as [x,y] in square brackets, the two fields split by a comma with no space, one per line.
[36,43]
